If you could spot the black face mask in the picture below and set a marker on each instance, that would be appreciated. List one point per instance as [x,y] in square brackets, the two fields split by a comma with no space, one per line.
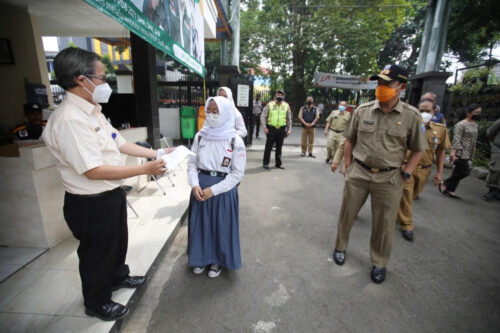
[309,102]
[279,99]
[476,117]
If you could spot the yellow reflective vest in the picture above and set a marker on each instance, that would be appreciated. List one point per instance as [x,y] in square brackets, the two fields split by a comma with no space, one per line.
[277,114]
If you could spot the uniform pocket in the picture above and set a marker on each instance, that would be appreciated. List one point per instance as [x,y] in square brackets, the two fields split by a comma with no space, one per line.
[366,128]
[399,132]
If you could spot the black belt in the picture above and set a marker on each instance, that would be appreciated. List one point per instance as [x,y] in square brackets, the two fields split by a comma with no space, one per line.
[94,195]
[331,129]
[374,170]
[213,173]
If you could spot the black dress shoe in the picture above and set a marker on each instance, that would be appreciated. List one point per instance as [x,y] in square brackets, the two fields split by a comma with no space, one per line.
[109,311]
[280,167]
[408,235]
[327,161]
[339,257]
[311,155]
[266,167]
[130,282]
[378,274]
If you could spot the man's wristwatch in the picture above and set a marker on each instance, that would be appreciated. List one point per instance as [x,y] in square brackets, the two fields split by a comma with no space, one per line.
[405,175]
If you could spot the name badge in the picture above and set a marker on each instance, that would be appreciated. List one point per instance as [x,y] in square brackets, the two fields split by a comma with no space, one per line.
[226,161]
[368,122]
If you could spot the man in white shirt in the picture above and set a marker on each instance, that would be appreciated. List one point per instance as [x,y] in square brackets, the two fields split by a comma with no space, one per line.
[88,150]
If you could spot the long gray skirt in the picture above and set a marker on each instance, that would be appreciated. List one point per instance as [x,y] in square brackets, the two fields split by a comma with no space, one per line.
[214,236]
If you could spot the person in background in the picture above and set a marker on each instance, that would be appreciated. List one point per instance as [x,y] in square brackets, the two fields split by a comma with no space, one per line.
[239,123]
[437,116]
[33,128]
[438,141]
[256,111]
[492,180]
[214,174]
[88,152]
[308,116]
[462,149]
[335,125]
[276,122]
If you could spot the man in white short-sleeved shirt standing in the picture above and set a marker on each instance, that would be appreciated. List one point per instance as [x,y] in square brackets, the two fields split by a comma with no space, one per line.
[88,150]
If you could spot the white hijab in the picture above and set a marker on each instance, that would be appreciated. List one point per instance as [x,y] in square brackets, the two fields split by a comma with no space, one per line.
[225,130]
[229,94]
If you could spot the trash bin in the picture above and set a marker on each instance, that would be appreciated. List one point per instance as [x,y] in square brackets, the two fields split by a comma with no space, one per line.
[188,122]
[201,117]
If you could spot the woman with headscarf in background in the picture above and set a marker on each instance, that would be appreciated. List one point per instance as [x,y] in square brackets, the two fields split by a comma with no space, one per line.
[239,123]
[214,174]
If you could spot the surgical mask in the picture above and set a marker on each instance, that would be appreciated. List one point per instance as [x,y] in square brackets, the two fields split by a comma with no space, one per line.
[385,93]
[101,93]
[309,102]
[426,117]
[279,99]
[342,108]
[476,117]
[212,119]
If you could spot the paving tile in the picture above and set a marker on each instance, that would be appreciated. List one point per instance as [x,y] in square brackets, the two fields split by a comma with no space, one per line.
[18,255]
[61,257]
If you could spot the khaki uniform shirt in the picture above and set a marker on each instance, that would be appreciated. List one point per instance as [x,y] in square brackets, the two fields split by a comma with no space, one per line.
[437,139]
[338,120]
[82,139]
[381,139]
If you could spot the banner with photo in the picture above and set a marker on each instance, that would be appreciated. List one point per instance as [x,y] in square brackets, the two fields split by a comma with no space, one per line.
[172,26]
[343,81]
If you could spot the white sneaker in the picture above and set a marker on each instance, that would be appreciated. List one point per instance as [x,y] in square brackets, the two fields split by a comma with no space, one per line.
[214,271]
[198,270]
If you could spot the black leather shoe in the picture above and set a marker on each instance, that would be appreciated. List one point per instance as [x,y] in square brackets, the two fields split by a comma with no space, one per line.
[327,161]
[408,235]
[311,155]
[280,167]
[109,311]
[378,274]
[130,282]
[266,167]
[339,257]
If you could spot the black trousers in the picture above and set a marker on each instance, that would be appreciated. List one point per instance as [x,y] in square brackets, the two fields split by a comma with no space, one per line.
[275,135]
[256,122]
[460,171]
[100,224]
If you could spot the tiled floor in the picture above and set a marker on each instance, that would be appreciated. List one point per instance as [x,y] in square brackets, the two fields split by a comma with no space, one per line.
[13,259]
[45,295]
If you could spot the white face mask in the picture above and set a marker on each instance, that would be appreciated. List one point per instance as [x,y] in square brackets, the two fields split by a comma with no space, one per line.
[426,117]
[212,119]
[102,92]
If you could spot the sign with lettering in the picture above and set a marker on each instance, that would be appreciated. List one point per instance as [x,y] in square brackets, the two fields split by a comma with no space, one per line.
[243,95]
[343,81]
[172,26]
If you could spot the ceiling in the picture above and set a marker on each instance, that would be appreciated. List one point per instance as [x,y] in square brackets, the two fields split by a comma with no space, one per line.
[69,18]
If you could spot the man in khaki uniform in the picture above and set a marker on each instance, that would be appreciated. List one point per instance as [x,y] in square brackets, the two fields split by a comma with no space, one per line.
[308,116]
[377,138]
[438,141]
[335,125]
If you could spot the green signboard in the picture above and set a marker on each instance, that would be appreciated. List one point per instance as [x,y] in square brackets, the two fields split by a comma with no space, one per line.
[127,14]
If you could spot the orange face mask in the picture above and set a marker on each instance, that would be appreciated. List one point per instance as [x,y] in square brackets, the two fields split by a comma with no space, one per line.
[384,93]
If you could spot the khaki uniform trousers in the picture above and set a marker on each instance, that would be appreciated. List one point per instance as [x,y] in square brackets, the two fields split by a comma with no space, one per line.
[385,191]
[307,139]
[333,143]
[411,188]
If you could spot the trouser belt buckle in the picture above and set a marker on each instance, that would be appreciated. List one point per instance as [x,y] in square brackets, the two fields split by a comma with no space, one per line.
[213,173]
[375,170]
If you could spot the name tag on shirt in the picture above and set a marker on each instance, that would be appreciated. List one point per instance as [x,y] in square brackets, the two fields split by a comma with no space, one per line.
[369,122]
[226,161]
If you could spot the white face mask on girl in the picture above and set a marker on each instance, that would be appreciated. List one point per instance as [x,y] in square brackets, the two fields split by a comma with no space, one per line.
[101,93]
[212,119]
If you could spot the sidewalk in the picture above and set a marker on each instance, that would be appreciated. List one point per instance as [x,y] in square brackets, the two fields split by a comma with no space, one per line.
[46,296]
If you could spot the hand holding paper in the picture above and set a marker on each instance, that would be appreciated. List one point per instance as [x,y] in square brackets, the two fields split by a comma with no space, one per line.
[173,158]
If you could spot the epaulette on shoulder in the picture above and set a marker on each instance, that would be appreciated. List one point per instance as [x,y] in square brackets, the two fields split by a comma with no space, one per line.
[412,108]
[19,128]
[370,103]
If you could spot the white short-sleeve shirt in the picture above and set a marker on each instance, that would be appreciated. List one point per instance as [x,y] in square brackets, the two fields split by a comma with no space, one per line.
[82,139]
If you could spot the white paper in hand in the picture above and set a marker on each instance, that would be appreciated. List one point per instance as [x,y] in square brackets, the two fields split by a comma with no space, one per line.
[176,156]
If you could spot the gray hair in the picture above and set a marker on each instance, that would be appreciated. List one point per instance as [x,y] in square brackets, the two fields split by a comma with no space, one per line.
[430,93]
[72,62]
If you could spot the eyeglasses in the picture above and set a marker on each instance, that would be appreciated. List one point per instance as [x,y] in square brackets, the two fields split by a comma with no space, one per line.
[102,78]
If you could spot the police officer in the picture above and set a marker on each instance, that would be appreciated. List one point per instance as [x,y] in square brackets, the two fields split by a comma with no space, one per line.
[276,122]
[335,125]
[308,116]
[438,141]
[377,138]
[33,128]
